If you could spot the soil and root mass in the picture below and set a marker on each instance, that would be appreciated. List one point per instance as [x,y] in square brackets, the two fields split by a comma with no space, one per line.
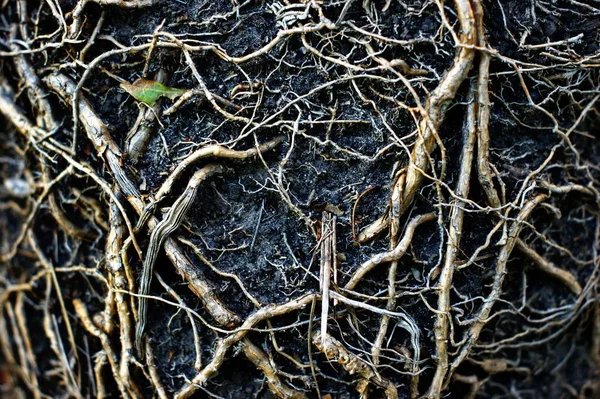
[299,199]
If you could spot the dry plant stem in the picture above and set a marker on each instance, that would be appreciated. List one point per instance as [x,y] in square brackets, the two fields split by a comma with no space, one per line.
[160,233]
[258,357]
[328,255]
[226,343]
[89,325]
[513,234]
[389,256]
[443,317]
[334,350]
[550,269]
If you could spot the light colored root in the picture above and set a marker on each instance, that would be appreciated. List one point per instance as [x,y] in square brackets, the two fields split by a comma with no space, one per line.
[549,268]
[443,317]
[335,351]
[215,151]
[89,325]
[482,316]
[328,260]
[389,256]
[226,343]
[258,357]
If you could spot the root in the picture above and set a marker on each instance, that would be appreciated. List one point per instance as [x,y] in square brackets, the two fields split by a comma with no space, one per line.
[335,351]
[264,164]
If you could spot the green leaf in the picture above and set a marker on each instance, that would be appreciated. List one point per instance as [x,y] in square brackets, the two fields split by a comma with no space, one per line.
[149,91]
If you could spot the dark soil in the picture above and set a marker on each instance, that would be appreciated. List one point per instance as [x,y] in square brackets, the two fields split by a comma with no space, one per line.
[243,225]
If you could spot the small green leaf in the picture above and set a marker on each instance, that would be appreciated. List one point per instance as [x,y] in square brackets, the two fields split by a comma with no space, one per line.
[149,91]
